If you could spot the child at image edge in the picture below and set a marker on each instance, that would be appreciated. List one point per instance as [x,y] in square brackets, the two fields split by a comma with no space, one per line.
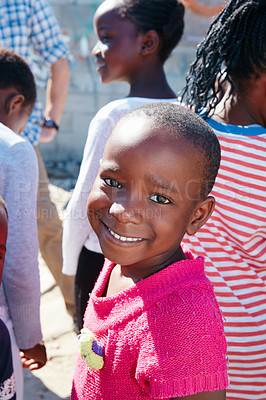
[7,377]
[152,327]
[20,289]
[227,86]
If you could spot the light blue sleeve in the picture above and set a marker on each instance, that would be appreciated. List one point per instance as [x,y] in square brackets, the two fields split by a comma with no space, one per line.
[21,281]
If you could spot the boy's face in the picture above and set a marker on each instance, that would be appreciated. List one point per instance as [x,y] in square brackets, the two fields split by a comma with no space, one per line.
[145,196]
[3,237]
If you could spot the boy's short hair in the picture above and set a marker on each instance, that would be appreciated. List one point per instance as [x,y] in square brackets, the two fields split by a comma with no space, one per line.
[15,72]
[184,124]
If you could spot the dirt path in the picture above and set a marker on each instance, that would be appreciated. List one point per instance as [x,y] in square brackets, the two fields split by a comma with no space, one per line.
[53,382]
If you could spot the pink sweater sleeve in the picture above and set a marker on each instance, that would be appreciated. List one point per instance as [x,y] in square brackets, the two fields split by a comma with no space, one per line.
[183,350]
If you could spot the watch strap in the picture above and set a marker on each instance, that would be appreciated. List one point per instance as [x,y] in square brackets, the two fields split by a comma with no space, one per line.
[49,123]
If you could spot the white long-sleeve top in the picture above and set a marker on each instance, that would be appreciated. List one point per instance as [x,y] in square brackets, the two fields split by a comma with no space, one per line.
[77,230]
[20,289]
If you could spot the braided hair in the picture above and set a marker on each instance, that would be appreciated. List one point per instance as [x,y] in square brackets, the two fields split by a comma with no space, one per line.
[166,17]
[234,49]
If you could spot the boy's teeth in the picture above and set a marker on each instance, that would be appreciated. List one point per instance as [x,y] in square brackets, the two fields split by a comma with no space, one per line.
[123,238]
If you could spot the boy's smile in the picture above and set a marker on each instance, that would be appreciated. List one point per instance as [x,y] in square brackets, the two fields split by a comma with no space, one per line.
[144,197]
[123,238]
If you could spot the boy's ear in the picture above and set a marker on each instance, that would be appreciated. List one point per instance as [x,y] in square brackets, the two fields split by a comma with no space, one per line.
[150,42]
[13,103]
[201,215]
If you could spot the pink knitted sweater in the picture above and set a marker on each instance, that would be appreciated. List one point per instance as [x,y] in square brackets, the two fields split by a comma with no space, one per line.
[162,337]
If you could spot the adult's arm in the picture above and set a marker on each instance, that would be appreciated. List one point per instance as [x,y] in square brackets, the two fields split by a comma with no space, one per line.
[56,94]
[49,44]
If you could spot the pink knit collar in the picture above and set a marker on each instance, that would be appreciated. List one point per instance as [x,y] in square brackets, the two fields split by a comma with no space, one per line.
[147,292]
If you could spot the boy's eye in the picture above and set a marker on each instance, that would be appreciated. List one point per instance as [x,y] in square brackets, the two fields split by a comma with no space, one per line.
[112,182]
[158,198]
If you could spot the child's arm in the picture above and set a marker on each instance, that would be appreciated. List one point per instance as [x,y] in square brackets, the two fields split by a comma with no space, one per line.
[216,395]
[34,358]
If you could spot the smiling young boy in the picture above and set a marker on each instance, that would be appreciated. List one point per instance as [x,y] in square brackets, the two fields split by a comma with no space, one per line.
[153,311]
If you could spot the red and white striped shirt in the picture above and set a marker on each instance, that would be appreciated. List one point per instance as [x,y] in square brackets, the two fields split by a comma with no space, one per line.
[233,243]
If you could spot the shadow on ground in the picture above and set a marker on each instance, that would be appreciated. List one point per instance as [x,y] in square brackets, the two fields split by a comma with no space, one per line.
[35,389]
[54,380]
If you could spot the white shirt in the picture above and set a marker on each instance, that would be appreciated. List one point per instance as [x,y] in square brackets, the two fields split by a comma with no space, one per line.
[20,289]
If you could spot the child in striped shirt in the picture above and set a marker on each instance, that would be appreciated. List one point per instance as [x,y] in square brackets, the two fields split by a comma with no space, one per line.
[227,85]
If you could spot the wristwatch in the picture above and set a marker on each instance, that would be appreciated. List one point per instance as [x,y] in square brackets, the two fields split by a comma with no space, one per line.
[49,123]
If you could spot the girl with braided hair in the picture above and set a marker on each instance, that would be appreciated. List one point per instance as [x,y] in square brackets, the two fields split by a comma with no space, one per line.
[135,38]
[227,86]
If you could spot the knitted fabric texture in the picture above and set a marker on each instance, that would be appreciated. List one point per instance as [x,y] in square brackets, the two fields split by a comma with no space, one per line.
[162,337]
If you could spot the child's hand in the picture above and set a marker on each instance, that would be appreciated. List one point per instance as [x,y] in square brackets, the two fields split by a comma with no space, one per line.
[34,358]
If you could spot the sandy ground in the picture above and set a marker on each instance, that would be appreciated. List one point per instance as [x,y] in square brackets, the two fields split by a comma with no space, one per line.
[53,381]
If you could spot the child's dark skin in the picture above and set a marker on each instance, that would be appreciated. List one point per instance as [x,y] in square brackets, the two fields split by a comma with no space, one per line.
[246,106]
[13,113]
[125,55]
[139,216]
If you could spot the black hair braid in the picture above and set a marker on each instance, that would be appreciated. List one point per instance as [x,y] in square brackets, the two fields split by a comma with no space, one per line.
[166,17]
[234,49]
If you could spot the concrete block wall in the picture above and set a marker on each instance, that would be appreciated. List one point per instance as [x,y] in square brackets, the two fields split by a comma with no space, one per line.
[87,94]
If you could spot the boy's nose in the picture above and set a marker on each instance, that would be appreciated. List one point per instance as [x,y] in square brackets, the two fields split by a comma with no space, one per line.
[126,214]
